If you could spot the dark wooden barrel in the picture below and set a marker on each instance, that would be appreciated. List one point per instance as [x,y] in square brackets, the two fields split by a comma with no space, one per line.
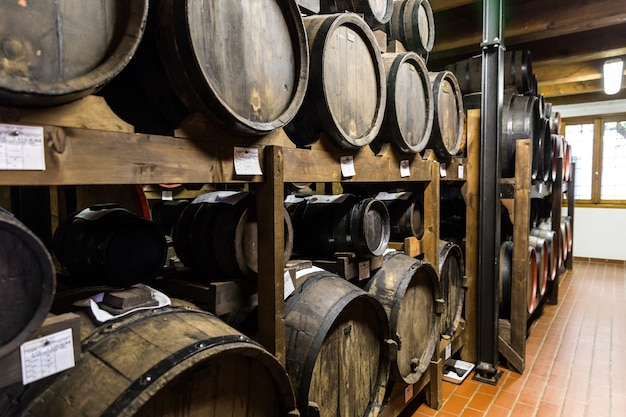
[554,156]
[453,284]
[517,68]
[409,291]
[189,61]
[554,249]
[406,217]
[216,235]
[129,368]
[567,160]
[335,347]
[531,280]
[347,91]
[375,12]
[545,149]
[446,138]
[27,282]
[520,120]
[410,112]
[109,245]
[543,263]
[56,52]
[555,123]
[347,224]
[413,24]
[505,264]
[566,221]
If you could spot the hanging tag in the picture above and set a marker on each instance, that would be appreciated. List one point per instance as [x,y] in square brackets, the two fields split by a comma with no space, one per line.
[347,166]
[167,195]
[22,148]
[289,288]
[442,170]
[47,356]
[461,171]
[405,169]
[246,161]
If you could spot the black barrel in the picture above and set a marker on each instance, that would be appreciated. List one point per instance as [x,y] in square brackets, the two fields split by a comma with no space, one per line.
[347,92]
[216,235]
[406,216]
[191,61]
[27,283]
[409,291]
[413,24]
[345,224]
[109,245]
[520,120]
[375,12]
[518,72]
[410,112]
[56,52]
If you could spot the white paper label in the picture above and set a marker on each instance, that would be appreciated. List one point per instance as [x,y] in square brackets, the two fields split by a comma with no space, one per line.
[405,168]
[442,170]
[47,356]
[167,195]
[247,161]
[22,148]
[289,287]
[226,197]
[448,352]
[347,166]
[385,196]
[461,171]
[327,199]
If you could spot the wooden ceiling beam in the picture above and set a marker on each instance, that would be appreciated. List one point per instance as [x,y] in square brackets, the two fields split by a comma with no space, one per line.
[441,5]
[575,88]
[586,98]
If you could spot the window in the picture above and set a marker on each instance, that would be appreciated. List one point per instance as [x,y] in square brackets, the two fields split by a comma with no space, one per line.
[598,147]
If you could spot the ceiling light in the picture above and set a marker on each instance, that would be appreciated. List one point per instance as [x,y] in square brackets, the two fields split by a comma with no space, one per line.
[613,69]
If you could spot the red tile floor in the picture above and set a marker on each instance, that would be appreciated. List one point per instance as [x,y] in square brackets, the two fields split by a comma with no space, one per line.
[575,357]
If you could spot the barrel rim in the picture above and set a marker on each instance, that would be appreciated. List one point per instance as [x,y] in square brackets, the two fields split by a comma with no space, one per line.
[436,140]
[446,249]
[60,92]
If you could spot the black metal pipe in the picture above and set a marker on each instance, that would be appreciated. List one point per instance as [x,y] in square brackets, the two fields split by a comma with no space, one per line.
[489,227]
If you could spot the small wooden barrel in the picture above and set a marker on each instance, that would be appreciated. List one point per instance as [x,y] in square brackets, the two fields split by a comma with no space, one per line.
[109,245]
[347,91]
[453,284]
[216,235]
[56,52]
[190,61]
[567,160]
[27,282]
[129,368]
[517,68]
[566,221]
[413,24]
[409,291]
[519,121]
[531,280]
[543,263]
[505,263]
[347,224]
[406,217]
[554,249]
[446,138]
[335,347]
[544,149]
[375,12]
[410,112]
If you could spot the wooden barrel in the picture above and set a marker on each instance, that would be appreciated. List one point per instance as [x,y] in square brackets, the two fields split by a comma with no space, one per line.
[554,249]
[216,235]
[531,280]
[335,347]
[345,223]
[505,264]
[520,119]
[409,291]
[545,149]
[27,282]
[409,114]
[554,156]
[128,368]
[375,12]
[413,24]
[517,68]
[555,123]
[566,221]
[189,61]
[406,217]
[543,263]
[453,284]
[446,138]
[53,52]
[567,161]
[108,245]
[347,91]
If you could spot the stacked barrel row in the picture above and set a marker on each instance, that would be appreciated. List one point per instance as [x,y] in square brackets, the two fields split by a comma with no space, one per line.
[526,115]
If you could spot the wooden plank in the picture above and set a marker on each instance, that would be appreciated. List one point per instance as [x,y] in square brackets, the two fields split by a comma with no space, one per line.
[471,191]
[11,364]
[430,241]
[270,215]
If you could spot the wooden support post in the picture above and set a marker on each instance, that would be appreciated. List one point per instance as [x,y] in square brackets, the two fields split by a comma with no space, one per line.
[270,215]
[472,201]
[430,240]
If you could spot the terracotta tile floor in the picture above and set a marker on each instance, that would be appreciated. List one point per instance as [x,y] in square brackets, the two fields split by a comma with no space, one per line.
[576,357]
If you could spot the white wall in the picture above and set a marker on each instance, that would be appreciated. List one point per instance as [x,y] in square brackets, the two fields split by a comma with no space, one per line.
[598,232]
